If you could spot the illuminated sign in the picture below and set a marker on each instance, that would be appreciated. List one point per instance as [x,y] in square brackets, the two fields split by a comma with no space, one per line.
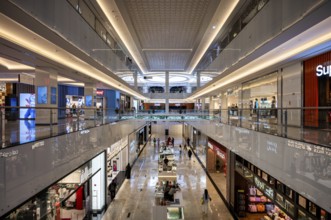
[323,70]
[99,92]
[268,191]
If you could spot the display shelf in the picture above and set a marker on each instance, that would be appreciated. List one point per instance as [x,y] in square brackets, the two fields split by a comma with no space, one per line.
[241,206]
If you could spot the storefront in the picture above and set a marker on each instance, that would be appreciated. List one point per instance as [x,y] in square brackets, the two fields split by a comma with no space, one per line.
[136,143]
[200,145]
[317,90]
[260,196]
[117,159]
[75,196]
[74,105]
[259,102]
[216,166]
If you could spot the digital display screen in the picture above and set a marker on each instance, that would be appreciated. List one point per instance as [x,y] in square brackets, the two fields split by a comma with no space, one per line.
[27,100]
[42,95]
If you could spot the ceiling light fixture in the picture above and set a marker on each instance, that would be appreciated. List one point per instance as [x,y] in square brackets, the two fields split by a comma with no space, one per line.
[13,65]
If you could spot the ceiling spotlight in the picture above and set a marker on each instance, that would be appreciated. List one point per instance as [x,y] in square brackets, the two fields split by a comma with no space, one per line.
[214,26]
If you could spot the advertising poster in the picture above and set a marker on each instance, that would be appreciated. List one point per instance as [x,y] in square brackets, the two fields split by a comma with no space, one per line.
[27,100]
[115,165]
[42,95]
[53,95]
[27,131]
[88,101]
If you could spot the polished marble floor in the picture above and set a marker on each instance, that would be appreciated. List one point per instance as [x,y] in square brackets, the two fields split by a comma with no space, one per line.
[135,199]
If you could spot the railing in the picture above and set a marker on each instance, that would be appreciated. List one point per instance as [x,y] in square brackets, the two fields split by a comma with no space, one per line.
[20,125]
[311,125]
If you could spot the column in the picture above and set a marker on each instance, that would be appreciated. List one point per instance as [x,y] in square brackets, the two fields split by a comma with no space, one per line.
[198,79]
[188,88]
[167,92]
[135,79]
[203,102]
[89,93]
[46,96]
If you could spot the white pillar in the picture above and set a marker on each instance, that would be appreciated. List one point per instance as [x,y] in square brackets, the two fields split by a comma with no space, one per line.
[135,78]
[46,95]
[167,92]
[89,93]
[198,80]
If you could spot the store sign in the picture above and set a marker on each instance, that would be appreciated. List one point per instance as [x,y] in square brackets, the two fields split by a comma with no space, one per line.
[220,154]
[309,147]
[38,144]
[264,188]
[323,70]
[8,154]
[272,147]
[99,92]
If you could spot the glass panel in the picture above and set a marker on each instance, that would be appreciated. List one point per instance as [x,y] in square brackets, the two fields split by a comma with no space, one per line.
[280,200]
[271,180]
[265,176]
[259,172]
[312,208]
[100,29]
[323,214]
[87,14]
[279,186]
[289,192]
[289,207]
[303,216]
[302,202]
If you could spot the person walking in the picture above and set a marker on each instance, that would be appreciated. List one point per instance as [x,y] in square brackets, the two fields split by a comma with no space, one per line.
[112,189]
[128,171]
[154,141]
[205,202]
[158,142]
[189,153]
[180,150]
[173,141]
[185,147]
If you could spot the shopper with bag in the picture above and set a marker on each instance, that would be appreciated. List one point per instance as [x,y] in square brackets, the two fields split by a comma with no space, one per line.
[205,199]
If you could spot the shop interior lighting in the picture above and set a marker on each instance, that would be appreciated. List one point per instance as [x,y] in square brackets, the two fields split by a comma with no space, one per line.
[18,34]
[312,37]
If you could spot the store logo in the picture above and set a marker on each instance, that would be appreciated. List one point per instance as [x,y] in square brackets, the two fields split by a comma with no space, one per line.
[323,70]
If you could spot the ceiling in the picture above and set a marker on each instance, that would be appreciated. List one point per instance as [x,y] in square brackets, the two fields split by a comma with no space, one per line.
[167,35]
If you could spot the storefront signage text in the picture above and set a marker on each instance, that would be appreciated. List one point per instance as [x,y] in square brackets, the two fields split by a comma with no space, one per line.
[272,146]
[323,70]
[99,92]
[9,154]
[38,144]
[309,147]
[263,187]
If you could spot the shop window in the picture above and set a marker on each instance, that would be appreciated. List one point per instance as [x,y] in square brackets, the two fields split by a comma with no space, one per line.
[303,216]
[271,181]
[323,214]
[279,186]
[100,30]
[259,172]
[302,201]
[312,208]
[74,3]
[289,192]
[87,14]
[264,176]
